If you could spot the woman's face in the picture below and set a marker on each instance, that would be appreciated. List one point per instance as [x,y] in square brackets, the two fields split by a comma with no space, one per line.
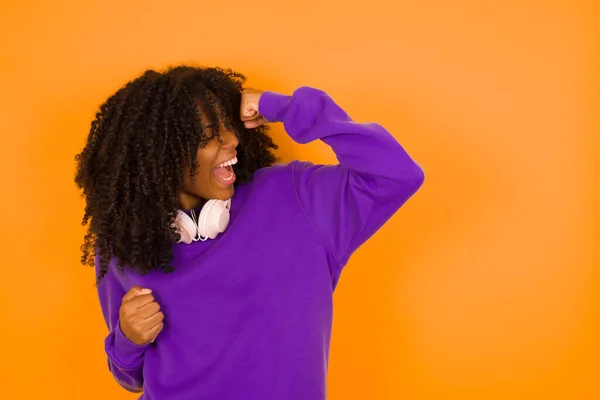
[214,176]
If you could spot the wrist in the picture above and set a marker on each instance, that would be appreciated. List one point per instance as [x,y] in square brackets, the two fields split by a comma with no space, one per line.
[123,351]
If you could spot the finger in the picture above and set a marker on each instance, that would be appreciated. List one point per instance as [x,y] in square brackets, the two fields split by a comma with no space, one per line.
[154,320]
[155,331]
[255,123]
[248,112]
[134,292]
[139,301]
[148,310]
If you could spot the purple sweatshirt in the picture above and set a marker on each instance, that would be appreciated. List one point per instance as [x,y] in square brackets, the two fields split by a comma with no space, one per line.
[248,315]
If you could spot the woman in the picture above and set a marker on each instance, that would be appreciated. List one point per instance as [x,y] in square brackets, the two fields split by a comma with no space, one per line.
[215,267]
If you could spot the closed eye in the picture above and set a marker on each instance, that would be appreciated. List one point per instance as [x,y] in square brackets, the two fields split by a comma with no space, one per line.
[208,131]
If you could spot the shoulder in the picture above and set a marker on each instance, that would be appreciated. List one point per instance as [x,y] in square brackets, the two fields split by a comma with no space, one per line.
[276,185]
[112,275]
[280,173]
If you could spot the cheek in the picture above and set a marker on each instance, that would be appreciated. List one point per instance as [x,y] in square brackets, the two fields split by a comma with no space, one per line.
[201,181]
[205,158]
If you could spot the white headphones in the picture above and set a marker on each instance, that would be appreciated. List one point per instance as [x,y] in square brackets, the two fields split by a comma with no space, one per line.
[213,219]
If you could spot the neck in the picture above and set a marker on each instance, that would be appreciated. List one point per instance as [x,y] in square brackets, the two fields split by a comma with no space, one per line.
[190,202]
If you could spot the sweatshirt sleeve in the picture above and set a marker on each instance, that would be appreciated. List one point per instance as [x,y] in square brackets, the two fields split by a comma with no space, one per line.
[350,201]
[125,358]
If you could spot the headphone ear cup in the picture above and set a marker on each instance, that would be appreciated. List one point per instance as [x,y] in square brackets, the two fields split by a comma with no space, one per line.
[214,218]
[186,227]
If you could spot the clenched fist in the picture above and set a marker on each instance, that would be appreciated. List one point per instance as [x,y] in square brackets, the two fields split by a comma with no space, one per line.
[141,318]
[249,108]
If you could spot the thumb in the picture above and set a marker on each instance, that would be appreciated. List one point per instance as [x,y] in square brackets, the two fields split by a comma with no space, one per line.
[134,292]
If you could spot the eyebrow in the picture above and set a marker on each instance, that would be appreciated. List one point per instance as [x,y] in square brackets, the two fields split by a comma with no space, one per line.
[207,126]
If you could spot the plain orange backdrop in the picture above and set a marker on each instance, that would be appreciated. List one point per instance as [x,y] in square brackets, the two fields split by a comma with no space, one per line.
[484,286]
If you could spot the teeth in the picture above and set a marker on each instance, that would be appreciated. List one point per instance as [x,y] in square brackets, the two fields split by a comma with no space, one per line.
[233,161]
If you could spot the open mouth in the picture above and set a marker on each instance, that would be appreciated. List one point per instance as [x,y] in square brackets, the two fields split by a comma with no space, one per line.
[224,172]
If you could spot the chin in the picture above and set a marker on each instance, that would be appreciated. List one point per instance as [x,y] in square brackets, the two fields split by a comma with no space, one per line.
[225,194]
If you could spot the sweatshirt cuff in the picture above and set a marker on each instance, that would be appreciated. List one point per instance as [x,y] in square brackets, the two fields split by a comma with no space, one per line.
[123,352]
[270,105]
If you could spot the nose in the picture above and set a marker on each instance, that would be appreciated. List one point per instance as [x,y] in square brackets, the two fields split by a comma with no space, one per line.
[229,139]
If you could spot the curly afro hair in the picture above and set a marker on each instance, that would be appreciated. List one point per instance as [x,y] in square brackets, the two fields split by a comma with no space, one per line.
[131,167]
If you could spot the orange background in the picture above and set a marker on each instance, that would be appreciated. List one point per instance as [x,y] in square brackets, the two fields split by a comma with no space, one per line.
[484,286]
